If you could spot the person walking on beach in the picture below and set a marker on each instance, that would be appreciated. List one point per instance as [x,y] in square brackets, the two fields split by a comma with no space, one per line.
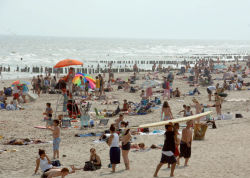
[168,150]
[97,89]
[126,136]
[56,138]
[166,110]
[186,142]
[115,152]
[166,87]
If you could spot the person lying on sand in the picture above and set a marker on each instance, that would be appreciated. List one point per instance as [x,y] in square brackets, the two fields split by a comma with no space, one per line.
[58,172]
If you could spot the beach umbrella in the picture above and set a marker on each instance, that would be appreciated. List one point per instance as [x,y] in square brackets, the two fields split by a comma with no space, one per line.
[85,77]
[18,82]
[67,62]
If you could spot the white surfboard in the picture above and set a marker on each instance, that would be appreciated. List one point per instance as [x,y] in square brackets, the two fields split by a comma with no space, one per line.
[32,96]
[183,119]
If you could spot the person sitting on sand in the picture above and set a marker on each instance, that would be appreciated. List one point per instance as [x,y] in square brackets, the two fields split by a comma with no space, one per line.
[177,93]
[58,172]
[188,112]
[168,150]
[186,141]
[166,111]
[94,159]
[43,161]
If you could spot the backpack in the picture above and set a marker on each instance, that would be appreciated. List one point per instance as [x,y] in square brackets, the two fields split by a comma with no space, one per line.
[89,166]
[56,163]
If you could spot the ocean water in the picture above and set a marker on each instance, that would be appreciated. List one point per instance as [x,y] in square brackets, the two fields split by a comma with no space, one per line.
[47,51]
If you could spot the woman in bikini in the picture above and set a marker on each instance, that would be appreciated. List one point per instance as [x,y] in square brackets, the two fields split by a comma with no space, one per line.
[217,104]
[166,111]
[126,136]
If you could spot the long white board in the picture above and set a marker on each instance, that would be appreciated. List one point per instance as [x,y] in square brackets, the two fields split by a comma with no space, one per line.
[183,119]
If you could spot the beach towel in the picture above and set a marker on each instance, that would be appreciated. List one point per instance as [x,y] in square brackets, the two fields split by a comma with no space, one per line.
[89,135]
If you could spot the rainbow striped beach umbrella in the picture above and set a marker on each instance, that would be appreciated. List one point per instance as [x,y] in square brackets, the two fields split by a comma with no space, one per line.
[86,77]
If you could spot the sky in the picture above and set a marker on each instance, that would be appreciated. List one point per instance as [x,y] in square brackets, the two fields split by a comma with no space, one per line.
[149,19]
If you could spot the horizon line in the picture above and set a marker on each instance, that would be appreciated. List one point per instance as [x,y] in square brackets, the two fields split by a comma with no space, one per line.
[124,38]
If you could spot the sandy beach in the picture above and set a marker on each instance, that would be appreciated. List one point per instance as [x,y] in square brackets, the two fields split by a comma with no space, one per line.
[223,153]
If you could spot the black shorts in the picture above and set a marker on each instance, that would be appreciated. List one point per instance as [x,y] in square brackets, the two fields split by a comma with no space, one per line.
[168,159]
[185,151]
[209,91]
[126,146]
[115,155]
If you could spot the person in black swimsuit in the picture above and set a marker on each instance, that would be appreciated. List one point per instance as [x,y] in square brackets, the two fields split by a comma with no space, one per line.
[94,159]
[126,136]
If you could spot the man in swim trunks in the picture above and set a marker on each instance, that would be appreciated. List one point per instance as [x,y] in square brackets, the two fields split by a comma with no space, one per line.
[168,150]
[186,141]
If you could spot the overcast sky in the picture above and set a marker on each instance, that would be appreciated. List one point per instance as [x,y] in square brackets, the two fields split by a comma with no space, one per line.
[168,19]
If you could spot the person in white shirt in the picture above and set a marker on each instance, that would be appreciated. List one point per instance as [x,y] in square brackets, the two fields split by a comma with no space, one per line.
[115,152]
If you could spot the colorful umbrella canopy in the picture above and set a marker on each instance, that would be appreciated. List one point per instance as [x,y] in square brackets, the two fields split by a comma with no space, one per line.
[18,82]
[68,62]
[85,77]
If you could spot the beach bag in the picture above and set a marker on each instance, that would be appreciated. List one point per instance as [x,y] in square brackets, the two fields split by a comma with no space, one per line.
[56,163]
[119,87]
[89,166]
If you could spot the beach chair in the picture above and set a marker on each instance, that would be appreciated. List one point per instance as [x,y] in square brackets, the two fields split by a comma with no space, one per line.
[98,116]
[103,122]
[66,122]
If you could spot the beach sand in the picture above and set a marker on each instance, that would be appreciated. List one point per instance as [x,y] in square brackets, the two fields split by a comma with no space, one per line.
[223,153]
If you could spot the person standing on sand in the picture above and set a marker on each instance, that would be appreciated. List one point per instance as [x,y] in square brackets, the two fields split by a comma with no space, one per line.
[126,136]
[168,150]
[198,108]
[56,138]
[115,152]
[186,141]
[166,111]
[166,87]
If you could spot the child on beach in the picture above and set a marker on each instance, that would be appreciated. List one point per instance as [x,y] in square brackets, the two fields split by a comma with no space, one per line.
[56,138]
[168,150]
[184,109]
[48,112]
[188,112]
[166,111]
[186,141]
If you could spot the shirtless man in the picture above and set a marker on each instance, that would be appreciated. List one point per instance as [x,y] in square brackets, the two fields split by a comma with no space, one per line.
[58,172]
[186,141]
